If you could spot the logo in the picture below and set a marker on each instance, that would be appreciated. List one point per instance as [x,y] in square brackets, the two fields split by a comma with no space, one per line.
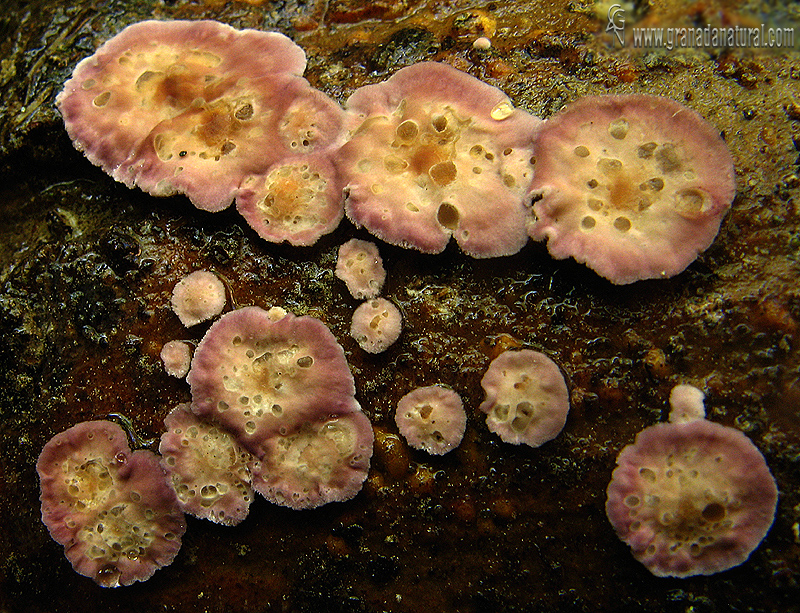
[616,22]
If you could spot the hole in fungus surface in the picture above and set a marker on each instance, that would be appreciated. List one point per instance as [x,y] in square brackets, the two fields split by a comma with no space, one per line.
[581,151]
[713,512]
[448,216]
[619,128]
[443,173]
[407,130]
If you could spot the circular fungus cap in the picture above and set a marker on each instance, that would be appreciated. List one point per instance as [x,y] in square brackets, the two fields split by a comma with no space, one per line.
[526,397]
[431,418]
[634,186]
[436,153]
[183,106]
[316,461]
[110,508]
[206,467]
[360,266]
[376,325]
[197,297]
[691,498]
[176,357]
[258,376]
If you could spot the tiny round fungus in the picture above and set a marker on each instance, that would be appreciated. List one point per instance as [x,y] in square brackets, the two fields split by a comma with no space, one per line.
[376,325]
[206,467]
[110,508]
[437,153]
[199,296]
[686,403]
[177,357]
[691,497]
[317,461]
[258,377]
[526,397]
[431,418]
[360,266]
[633,186]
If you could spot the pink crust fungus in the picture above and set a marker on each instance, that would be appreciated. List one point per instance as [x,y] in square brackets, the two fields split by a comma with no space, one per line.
[282,387]
[691,497]
[177,357]
[526,397]
[431,418]
[316,461]
[199,108]
[360,266]
[197,297]
[110,508]
[207,468]
[633,186]
[376,325]
[438,153]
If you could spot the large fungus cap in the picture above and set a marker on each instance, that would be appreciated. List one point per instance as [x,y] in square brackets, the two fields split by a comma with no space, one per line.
[431,418]
[181,106]
[437,154]
[633,186]
[258,376]
[526,397]
[110,508]
[207,468]
[360,266]
[376,325]
[317,461]
[197,297]
[691,497]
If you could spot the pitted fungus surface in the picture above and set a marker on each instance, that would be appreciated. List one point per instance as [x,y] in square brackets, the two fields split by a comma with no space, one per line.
[360,266]
[437,154]
[110,508]
[207,468]
[432,419]
[176,357]
[376,325]
[526,397]
[633,186]
[691,498]
[197,297]
[180,106]
[316,461]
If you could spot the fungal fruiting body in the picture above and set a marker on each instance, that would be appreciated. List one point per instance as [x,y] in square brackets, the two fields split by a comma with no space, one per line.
[436,153]
[432,419]
[207,468]
[110,508]
[376,325]
[633,186]
[176,357]
[691,497]
[281,386]
[360,266]
[202,109]
[526,397]
[197,297]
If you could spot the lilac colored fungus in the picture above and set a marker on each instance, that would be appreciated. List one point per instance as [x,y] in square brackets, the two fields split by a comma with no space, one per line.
[526,397]
[282,387]
[633,186]
[360,266]
[437,153]
[431,418]
[207,468]
[110,508]
[177,357]
[187,107]
[316,461]
[376,325]
[691,497]
[197,297]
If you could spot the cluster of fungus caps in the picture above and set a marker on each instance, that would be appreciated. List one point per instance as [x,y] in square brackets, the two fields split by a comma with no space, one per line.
[217,114]
[691,497]
[634,186]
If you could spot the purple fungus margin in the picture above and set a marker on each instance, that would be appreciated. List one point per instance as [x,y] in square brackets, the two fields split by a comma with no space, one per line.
[110,508]
[633,186]
[435,153]
[691,497]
